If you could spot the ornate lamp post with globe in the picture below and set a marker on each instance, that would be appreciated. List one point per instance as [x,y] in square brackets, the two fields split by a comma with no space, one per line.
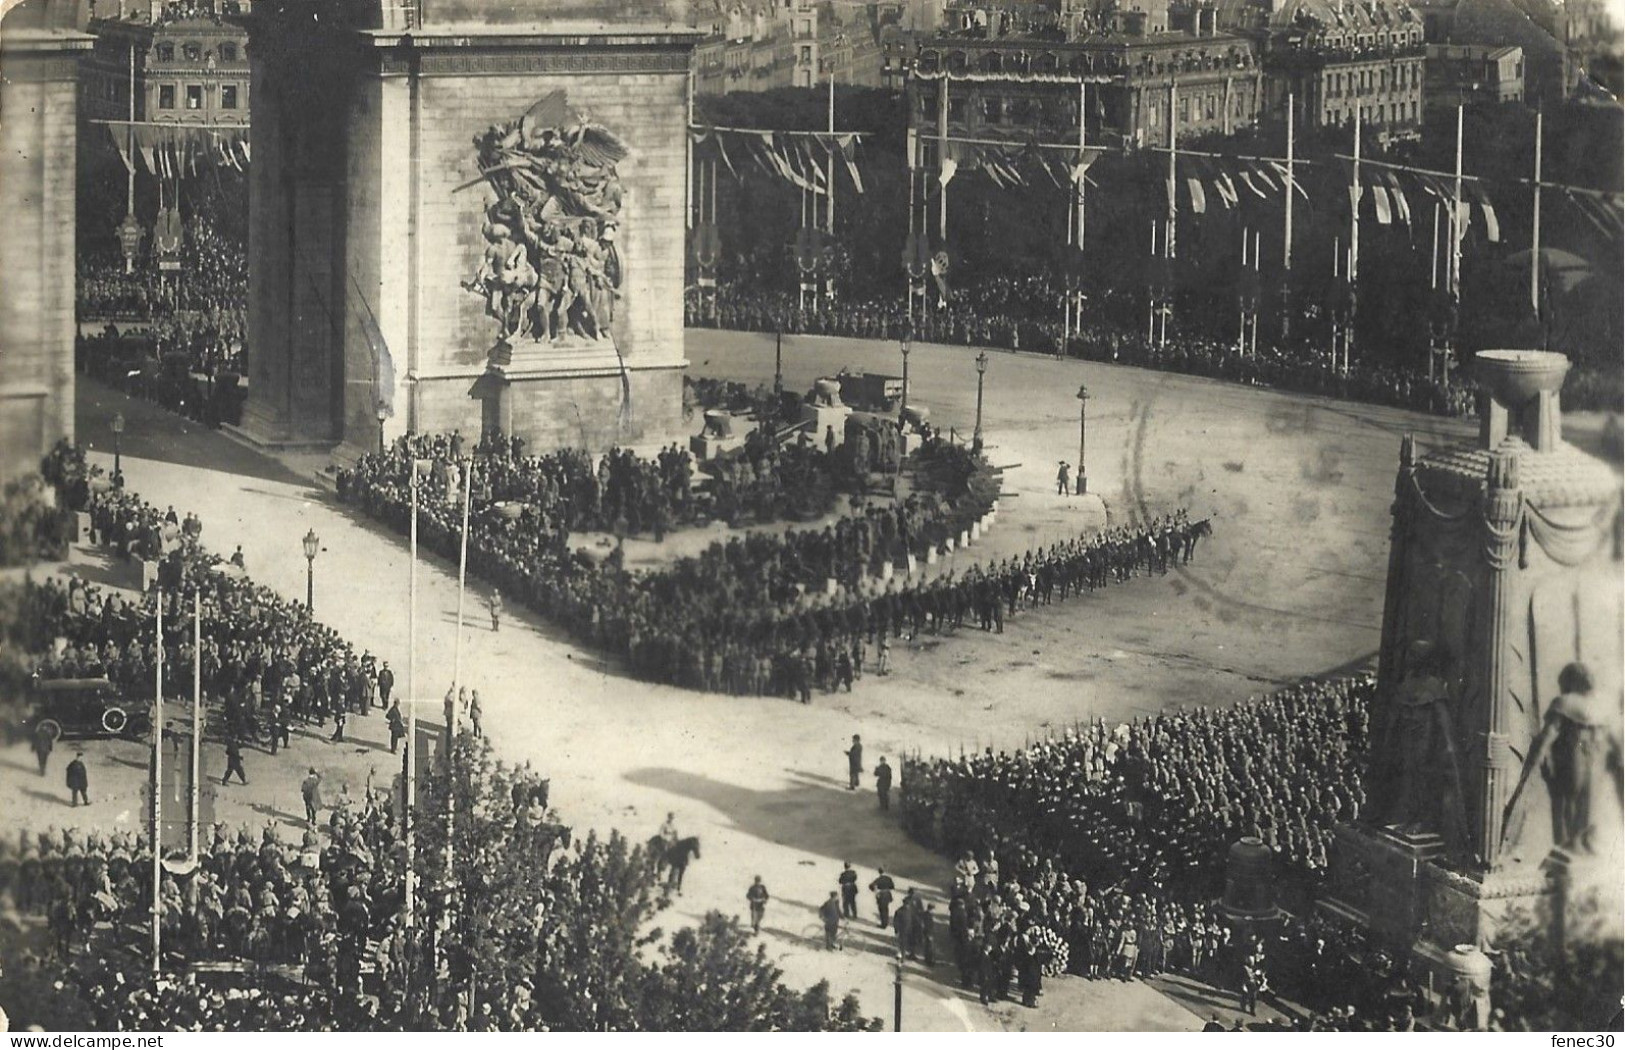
[1083,437]
[312,545]
[981,371]
[118,461]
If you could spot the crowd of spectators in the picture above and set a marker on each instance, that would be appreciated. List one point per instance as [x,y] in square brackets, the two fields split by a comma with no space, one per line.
[178,338]
[1022,313]
[759,614]
[264,660]
[517,928]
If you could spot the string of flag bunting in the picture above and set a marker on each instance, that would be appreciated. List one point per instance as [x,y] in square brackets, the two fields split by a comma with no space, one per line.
[797,157]
[170,151]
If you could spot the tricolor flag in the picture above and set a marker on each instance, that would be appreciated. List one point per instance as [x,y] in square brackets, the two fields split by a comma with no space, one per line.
[1198,197]
[1379,200]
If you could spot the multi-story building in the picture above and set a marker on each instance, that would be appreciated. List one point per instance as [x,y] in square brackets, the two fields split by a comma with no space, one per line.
[1014,73]
[1551,67]
[746,48]
[1473,73]
[1593,35]
[757,45]
[1338,60]
[188,65]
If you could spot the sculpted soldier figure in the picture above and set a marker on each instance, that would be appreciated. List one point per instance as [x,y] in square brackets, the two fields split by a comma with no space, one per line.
[1573,751]
[552,266]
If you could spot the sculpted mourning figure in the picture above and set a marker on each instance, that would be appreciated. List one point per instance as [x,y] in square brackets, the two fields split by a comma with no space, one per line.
[552,267]
[1418,772]
[1574,751]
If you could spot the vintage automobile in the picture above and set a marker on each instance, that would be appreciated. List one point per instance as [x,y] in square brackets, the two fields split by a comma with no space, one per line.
[83,707]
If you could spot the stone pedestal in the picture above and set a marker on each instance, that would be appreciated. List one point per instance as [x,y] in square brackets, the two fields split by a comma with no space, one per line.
[1502,608]
[1376,880]
[1249,888]
[823,418]
[1474,908]
[1401,889]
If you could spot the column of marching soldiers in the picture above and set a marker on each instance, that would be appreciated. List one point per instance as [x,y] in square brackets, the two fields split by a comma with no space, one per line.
[752,615]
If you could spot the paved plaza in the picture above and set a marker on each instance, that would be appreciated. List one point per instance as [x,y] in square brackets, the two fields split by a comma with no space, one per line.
[1290,584]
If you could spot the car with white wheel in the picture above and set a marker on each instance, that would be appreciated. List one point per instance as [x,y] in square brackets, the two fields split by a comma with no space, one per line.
[83,707]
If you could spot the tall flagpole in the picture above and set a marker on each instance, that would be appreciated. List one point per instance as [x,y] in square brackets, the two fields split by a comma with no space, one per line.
[197,717]
[1169,242]
[158,789]
[410,774]
[457,657]
[1286,243]
[1083,142]
[942,159]
[462,587]
[688,156]
[1456,228]
[1355,194]
[1241,344]
[829,179]
[1534,240]
[1257,238]
[913,164]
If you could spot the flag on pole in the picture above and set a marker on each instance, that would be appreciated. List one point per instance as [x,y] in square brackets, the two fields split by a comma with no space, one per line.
[1401,205]
[722,151]
[848,145]
[1379,201]
[945,174]
[119,133]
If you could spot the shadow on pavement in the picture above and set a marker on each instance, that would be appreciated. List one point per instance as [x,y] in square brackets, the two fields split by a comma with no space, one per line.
[154,433]
[45,796]
[101,567]
[818,815]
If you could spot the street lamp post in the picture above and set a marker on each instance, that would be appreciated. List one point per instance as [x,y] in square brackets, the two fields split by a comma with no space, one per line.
[312,545]
[981,371]
[1083,437]
[383,414]
[905,345]
[778,361]
[897,993]
[118,462]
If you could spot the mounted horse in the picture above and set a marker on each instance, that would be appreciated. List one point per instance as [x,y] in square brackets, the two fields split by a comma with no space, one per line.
[671,859]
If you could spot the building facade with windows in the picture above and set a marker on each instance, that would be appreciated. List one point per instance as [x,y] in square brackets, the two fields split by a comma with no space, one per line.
[759,45]
[1474,73]
[188,65]
[1338,60]
[1016,74]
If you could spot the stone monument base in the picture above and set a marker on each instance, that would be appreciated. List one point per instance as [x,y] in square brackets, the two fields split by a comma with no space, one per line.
[555,397]
[1398,888]
[825,418]
[1376,880]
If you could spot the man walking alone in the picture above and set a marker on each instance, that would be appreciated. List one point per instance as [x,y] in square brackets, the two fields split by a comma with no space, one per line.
[756,897]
